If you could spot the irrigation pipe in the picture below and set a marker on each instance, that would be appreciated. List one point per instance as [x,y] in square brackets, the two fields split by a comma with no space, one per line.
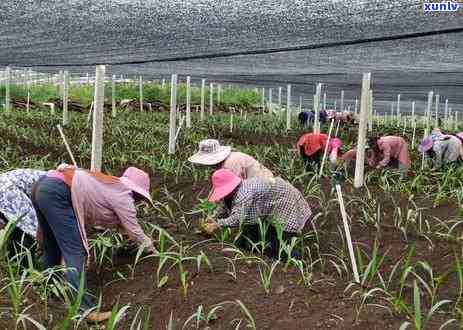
[67,145]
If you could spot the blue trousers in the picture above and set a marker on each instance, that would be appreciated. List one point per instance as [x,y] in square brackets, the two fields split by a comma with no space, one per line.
[61,237]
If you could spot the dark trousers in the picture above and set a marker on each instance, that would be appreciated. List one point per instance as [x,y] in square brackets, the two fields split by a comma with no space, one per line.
[312,162]
[61,236]
[19,242]
[251,234]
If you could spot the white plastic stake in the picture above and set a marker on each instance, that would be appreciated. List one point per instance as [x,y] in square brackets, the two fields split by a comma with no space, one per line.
[263,100]
[90,113]
[28,106]
[231,121]
[437,110]
[446,109]
[141,93]
[342,101]
[211,98]
[219,94]
[347,232]
[203,98]
[324,101]
[325,152]
[113,96]
[188,102]
[270,92]
[288,108]
[356,106]
[65,97]
[362,134]
[279,97]
[398,106]
[316,107]
[98,116]
[173,113]
[370,111]
[335,105]
[66,145]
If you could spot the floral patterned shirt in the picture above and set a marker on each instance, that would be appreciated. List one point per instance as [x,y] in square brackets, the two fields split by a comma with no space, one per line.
[15,194]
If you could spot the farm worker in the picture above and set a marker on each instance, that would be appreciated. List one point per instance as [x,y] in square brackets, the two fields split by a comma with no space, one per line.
[16,205]
[391,150]
[275,202]
[349,159]
[304,117]
[460,137]
[312,146]
[69,199]
[323,117]
[443,149]
[211,153]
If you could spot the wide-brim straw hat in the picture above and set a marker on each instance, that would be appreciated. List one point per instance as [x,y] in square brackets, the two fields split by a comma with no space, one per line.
[210,153]
[224,182]
[425,145]
[137,181]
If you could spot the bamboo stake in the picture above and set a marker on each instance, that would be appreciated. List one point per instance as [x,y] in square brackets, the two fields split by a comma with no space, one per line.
[362,134]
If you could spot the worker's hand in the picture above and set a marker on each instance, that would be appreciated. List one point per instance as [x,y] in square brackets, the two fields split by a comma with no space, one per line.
[210,228]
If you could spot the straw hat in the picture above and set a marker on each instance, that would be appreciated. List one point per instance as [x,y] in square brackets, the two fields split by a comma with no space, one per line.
[223,183]
[137,181]
[210,153]
[425,145]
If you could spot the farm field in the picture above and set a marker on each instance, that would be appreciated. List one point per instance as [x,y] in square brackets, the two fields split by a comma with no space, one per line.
[406,232]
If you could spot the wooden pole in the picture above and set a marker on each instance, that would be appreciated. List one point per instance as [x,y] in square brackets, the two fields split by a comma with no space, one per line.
[173,113]
[7,90]
[65,97]
[288,108]
[188,102]
[211,98]
[113,96]
[98,116]
[316,107]
[362,135]
[203,98]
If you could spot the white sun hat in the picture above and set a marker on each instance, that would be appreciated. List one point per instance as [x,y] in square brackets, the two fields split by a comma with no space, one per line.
[210,153]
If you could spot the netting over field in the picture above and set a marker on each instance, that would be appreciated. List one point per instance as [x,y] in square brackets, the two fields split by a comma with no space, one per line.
[262,42]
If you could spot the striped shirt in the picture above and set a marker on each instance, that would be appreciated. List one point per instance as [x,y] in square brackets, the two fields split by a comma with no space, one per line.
[269,200]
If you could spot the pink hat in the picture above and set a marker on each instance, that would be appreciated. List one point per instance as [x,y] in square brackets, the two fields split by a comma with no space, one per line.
[223,183]
[137,181]
[425,145]
[460,135]
[335,143]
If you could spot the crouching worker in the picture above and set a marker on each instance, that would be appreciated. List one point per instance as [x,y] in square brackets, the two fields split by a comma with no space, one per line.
[391,151]
[312,147]
[211,153]
[67,200]
[443,149]
[16,205]
[274,202]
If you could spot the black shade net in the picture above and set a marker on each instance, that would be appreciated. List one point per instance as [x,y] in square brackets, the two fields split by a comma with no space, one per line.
[260,43]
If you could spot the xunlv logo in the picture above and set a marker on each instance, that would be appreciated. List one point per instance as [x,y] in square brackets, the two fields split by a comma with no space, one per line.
[441,6]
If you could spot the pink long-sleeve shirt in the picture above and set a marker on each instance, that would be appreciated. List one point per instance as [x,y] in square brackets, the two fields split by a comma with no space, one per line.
[392,147]
[109,205]
[245,166]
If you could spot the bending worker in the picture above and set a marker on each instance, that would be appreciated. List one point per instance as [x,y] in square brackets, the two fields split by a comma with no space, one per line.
[16,205]
[443,149]
[67,200]
[389,151]
[211,153]
[312,146]
[275,202]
